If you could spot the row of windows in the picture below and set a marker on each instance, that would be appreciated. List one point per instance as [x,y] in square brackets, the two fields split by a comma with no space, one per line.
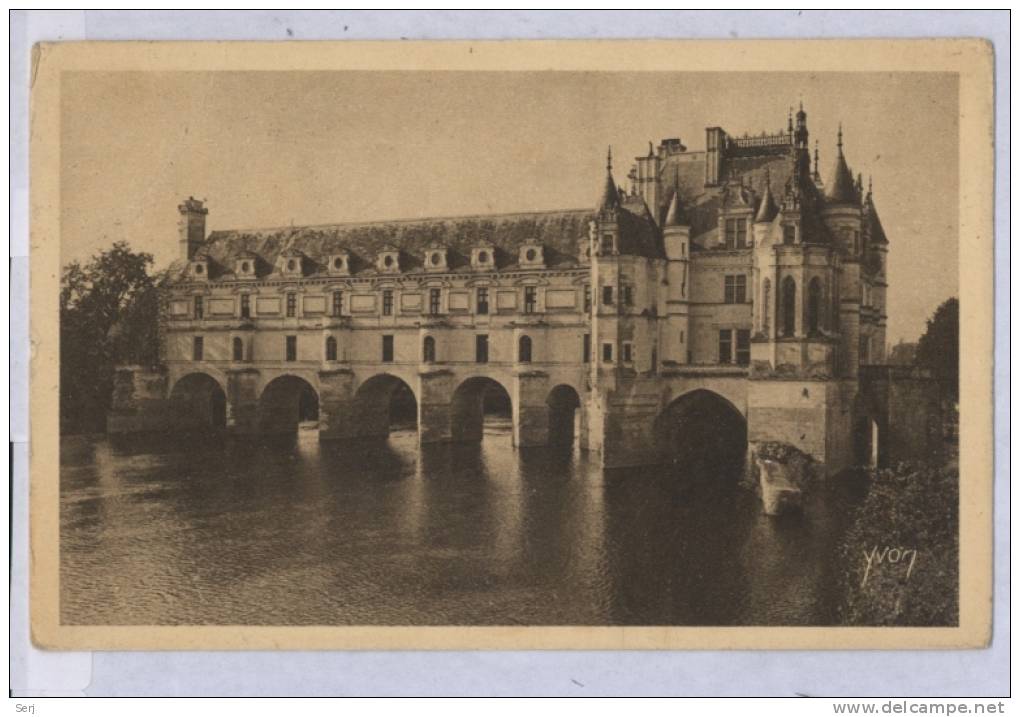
[435,302]
[740,353]
[524,349]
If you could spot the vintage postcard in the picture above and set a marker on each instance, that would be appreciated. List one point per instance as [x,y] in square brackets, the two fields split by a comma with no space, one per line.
[501,345]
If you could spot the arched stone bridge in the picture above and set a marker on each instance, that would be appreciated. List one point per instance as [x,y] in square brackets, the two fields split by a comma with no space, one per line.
[353,400]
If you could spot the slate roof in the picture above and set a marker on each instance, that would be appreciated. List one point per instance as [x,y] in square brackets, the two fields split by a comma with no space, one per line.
[559,232]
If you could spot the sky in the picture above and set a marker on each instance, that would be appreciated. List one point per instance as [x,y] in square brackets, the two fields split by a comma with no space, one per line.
[269,149]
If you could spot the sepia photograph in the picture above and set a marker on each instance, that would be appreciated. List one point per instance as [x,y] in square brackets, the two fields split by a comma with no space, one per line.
[403,348]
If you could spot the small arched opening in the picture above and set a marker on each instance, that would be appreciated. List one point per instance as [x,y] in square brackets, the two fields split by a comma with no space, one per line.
[524,349]
[238,348]
[814,306]
[385,403]
[287,404]
[703,433]
[789,306]
[428,349]
[868,436]
[478,403]
[331,348]
[198,402]
[564,416]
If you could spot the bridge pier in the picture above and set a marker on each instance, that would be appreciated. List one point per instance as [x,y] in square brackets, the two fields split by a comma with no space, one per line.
[531,411]
[435,407]
[813,415]
[243,400]
[337,408]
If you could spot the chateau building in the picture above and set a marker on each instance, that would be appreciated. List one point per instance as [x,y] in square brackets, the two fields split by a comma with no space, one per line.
[728,289]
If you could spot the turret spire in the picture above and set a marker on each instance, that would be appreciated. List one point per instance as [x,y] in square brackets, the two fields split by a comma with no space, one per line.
[610,193]
[767,209]
[841,189]
[675,214]
[816,175]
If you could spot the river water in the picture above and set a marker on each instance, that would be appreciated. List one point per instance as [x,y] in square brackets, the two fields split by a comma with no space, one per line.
[214,530]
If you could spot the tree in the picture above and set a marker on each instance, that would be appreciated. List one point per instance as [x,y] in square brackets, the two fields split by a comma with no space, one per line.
[939,348]
[903,354]
[109,315]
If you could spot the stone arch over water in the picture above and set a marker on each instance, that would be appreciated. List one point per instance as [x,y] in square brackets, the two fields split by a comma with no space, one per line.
[472,399]
[382,402]
[703,430]
[564,405]
[198,401]
[287,402]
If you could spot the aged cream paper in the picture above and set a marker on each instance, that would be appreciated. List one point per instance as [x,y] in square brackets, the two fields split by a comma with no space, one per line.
[970,60]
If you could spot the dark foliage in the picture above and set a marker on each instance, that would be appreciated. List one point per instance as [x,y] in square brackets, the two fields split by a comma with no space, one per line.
[939,348]
[907,508]
[109,315]
[903,354]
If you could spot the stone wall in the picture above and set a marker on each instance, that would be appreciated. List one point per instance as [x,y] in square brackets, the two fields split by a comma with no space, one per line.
[139,401]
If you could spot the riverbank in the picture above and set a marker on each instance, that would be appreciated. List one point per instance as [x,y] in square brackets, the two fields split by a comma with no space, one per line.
[901,552]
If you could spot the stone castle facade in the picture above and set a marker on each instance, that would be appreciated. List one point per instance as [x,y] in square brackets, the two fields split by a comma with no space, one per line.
[729,285]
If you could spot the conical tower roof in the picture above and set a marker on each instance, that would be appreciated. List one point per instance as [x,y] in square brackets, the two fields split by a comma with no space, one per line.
[676,216]
[767,209]
[610,192]
[841,189]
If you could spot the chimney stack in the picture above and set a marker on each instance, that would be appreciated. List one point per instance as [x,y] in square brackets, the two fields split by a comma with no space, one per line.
[192,226]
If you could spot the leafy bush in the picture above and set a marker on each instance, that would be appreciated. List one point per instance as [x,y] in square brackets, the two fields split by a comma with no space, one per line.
[908,508]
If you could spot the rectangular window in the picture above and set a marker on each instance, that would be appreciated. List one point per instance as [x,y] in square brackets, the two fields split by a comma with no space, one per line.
[587,298]
[607,296]
[292,348]
[735,291]
[736,233]
[482,300]
[387,348]
[338,303]
[627,294]
[245,306]
[387,302]
[434,298]
[530,299]
[607,353]
[481,348]
[607,243]
[789,234]
[199,307]
[744,347]
[197,348]
[725,346]
[291,306]
[586,349]
[628,352]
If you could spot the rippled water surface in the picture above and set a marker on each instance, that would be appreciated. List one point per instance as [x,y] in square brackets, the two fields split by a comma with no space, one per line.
[223,531]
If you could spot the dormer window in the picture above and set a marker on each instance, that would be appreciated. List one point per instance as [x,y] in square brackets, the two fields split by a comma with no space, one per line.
[483,258]
[435,258]
[339,264]
[388,261]
[291,263]
[200,268]
[532,255]
[244,266]
[736,233]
